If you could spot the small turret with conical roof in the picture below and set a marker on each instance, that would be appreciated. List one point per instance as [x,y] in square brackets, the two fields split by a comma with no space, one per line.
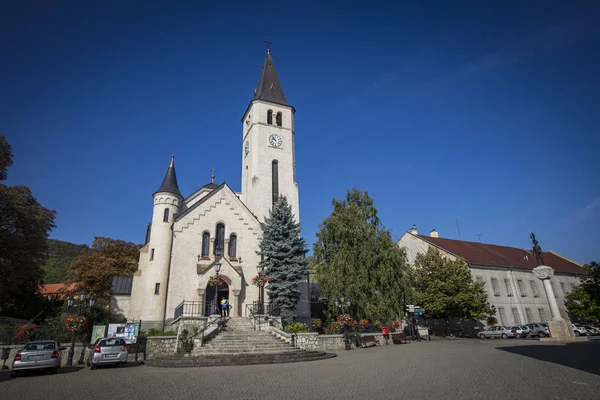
[169,183]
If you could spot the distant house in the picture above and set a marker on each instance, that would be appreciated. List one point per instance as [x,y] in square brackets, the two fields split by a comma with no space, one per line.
[512,288]
[57,291]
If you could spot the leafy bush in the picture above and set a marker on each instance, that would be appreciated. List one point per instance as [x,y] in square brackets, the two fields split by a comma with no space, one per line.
[186,340]
[157,332]
[296,327]
[316,323]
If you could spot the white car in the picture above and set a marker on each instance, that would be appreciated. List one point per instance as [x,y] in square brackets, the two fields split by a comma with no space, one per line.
[579,330]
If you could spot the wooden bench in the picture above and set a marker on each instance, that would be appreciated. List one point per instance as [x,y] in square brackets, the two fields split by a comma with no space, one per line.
[368,340]
[398,338]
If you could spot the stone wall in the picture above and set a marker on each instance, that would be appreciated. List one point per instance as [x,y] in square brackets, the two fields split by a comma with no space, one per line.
[161,346]
[314,341]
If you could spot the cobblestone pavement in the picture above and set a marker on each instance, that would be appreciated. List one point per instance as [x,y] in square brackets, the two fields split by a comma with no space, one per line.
[460,369]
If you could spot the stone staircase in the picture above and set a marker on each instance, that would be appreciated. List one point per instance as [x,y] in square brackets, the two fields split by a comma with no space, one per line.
[239,344]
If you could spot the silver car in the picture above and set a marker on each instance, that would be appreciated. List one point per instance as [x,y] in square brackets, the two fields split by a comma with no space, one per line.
[108,351]
[42,354]
[498,331]
[539,330]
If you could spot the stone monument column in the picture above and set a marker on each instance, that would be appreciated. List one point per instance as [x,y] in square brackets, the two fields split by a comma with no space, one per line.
[544,273]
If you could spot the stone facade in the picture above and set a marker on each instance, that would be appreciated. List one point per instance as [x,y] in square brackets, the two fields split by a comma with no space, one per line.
[160,346]
[314,341]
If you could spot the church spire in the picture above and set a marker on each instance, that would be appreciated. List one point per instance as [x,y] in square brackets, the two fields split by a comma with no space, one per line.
[169,183]
[269,87]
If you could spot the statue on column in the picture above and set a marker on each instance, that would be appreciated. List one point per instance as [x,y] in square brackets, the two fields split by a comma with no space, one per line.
[537,250]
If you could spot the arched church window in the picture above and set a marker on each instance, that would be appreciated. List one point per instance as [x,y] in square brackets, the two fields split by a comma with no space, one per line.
[270,117]
[275,180]
[205,244]
[232,246]
[278,119]
[166,215]
[220,240]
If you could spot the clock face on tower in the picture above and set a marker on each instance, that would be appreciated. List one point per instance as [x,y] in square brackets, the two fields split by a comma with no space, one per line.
[275,140]
[246,147]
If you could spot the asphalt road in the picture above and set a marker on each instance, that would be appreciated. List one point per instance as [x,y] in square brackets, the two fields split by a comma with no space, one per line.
[460,369]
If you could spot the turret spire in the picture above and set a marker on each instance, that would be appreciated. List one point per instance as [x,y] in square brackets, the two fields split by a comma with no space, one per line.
[169,183]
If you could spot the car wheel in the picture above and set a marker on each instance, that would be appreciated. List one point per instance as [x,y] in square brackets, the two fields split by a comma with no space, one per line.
[92,365]
[577,333]
[541,334]
[481,336]
[504,336]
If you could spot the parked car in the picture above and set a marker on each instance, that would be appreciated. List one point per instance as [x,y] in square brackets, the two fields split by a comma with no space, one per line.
[41,354]
[538,330]
[592,330]
[498,331]
[108,351]
[579,330]
[520,330]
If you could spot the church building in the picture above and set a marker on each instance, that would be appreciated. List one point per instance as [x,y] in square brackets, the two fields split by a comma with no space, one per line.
[215,228]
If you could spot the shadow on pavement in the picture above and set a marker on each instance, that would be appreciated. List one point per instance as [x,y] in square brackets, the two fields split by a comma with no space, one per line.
[581,356]
[5,375]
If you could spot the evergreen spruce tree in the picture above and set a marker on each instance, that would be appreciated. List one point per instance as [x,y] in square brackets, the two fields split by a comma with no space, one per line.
[283,251]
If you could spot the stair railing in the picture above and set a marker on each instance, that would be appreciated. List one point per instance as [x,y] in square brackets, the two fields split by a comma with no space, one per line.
[221,322]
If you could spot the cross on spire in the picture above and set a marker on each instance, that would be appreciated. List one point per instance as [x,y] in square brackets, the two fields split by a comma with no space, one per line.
[269,43]
[212,175]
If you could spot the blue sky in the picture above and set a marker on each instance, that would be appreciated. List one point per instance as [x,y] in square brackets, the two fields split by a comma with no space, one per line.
[486,113]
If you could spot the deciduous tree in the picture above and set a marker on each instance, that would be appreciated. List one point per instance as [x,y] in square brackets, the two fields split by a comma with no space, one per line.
[283,251]
[24,228]
[95,267]
[445,288]
[356,257]
[583,303]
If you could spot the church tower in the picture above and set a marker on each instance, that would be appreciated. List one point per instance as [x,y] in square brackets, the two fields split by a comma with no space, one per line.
[167,203]
[268,163]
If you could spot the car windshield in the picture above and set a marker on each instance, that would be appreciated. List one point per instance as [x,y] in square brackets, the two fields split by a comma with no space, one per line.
[111,342]
[40,346]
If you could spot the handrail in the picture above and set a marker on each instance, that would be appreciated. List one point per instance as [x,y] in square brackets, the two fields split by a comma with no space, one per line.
[217,320]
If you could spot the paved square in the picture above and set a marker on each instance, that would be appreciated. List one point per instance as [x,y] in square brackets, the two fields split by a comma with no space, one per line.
[461,369]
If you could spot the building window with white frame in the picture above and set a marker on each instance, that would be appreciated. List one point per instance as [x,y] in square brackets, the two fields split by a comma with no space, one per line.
[516,316]
[502,315]
[495,287]
[157,288]
[522,287]
[542,315]
[509,289]
[534,288]
[529,315]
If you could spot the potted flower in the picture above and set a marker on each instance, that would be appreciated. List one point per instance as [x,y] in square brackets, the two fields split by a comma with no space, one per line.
[260,280]
[364,324]
[216,280]
[76,324]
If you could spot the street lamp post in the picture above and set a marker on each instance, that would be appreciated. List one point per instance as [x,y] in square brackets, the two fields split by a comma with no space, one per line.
[81,305]
[261,294]
[343,305]
[216,301]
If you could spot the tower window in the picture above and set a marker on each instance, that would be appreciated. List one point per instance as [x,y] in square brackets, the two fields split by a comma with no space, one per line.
[205,244]
[220,240]
[166,215]
[151,254]
[270,117]
[157,288]
[148,232]
[232,246]
[275,180]
[278,119]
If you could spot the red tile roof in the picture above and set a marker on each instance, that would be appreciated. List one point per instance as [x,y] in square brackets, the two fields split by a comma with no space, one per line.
[502,256]
[55,288]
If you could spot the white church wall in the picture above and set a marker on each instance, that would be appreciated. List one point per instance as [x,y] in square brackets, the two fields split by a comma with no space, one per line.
[184,281]
[120,303]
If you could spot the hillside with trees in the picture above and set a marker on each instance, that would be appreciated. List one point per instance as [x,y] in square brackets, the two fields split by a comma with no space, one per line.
[60,256]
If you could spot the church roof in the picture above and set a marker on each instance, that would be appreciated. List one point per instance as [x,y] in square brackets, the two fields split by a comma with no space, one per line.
[210,185]
[269,87]
[501,256]
[169,183]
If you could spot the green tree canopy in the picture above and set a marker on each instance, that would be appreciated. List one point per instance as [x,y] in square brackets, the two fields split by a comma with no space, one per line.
[24,227]
[356,257]
[445,288]
[283,253]
[583,303]
[95,267]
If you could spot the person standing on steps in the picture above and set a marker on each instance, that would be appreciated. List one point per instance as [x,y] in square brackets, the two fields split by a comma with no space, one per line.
[224,307]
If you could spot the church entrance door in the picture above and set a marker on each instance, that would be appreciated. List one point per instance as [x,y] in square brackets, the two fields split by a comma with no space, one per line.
[212,307]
